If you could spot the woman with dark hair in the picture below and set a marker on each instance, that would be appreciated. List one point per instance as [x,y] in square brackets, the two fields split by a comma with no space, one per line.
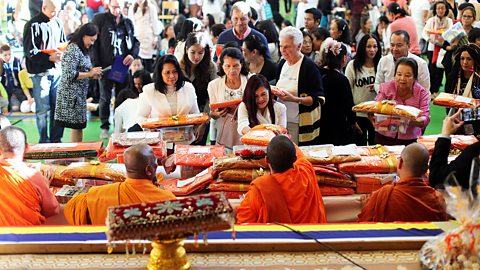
[307,45]
[144,16]
[198,68]
[361,74]
[400,21]
[169,95]
[365,28]
[129,102]
[463,80]
[338,120]
[268,29]
[255,54]
[340,32]
[258,106]
[405,90]
[71,102]
[432,34]
[233,72]
[167,34]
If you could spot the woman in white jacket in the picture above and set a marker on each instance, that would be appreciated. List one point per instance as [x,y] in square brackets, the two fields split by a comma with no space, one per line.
[144,16]
[169,95]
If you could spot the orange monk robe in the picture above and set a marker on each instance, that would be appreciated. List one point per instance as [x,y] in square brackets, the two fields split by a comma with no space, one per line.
[295,199]
[408,200]
[25,198]
[92,207]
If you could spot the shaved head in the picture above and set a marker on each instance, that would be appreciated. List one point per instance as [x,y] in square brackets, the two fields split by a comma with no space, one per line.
[13,140]
[51,7]
[140,162]
[281,154]
[415,159]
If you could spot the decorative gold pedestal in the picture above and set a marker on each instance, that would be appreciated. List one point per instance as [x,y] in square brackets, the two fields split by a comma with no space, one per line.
[168,255]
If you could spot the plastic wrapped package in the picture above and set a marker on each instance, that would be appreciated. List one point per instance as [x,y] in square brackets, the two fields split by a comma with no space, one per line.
[388,107]
[95,169]
[225,104]
[335,181]
[457,141]
[455,101]
[373,150]
[390,123]
[52,173]
[113,151]
[459,247]
[189,186]
[128,139]
[228,186]
[190,171]
[63,150]
[262,134]
[242,175]
[327,190]
[329,154]
[65,193]
[456,31]
[370,182]
[176,120]
[229,163]
[178,134]
[193,155]
[371,164]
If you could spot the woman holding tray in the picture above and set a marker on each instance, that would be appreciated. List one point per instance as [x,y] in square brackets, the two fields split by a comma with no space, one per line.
[405,90]
[230,86]
[169,95]
[71,102]
[258,106]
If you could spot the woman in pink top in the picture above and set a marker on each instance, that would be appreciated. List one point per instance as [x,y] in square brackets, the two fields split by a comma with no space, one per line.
[402,22]
[405,90]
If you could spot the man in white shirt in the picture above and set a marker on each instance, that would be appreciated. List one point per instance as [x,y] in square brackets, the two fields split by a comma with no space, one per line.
[399,44]
[419,10]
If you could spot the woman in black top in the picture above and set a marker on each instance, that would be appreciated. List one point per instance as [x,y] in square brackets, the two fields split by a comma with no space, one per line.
[255,53]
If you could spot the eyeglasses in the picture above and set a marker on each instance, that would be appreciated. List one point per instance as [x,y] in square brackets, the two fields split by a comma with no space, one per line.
[467,17]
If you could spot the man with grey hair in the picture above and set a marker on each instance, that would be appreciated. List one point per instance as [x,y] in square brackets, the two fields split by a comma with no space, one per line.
[240,15]
[300,88]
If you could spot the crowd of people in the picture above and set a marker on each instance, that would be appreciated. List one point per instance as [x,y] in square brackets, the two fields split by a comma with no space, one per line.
[305,78]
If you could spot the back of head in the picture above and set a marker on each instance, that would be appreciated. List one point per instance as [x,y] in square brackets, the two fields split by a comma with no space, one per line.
[395,9]
[253,42]
[13,141]
[217,29]
[267,28]
[333,54]
[415,160]
[137,158]
[281,154]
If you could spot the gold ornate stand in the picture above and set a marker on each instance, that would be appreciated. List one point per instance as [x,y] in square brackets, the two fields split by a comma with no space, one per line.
[168,255]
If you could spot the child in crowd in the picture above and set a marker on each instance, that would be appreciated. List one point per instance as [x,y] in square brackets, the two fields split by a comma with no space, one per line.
[11,67]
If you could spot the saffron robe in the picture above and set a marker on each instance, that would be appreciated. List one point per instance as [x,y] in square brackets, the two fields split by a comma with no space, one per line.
[407,200]
[289,197]
[92,207]
[25,198]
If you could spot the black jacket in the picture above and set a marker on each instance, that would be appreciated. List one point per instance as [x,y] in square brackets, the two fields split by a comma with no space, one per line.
[41,33]
[102,52]
[440,169]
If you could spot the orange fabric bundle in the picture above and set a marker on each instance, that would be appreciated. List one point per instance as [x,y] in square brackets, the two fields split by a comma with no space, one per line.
[451,100]
[200,182]
[374,150]
[225,104]
[368,183]
[53,173]
[262,134]
[388,108]
[94,169]
[113,150]
[458,141]
[229,186]
[234,194]
[335,191]
[61,48]
[242,175]
[176,120]
[229,163]
[193,155]
[333,159]
[371,164]
[335,181]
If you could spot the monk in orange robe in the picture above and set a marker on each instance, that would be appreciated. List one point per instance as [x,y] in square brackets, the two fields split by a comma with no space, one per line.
[92,207]
[409,199]
[289,195]
[25,198]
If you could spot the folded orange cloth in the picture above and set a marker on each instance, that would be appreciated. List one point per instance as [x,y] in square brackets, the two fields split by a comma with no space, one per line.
[200,182]
[94,169]
[371,164]
[451,100]
[373,150]
[113,150]
[458,141]
[388,108]
[228,163]
[262,134]
[242,175]
[176,120]
[368,183]
[195,155]
[335,191]
[228,186]
[224,104]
